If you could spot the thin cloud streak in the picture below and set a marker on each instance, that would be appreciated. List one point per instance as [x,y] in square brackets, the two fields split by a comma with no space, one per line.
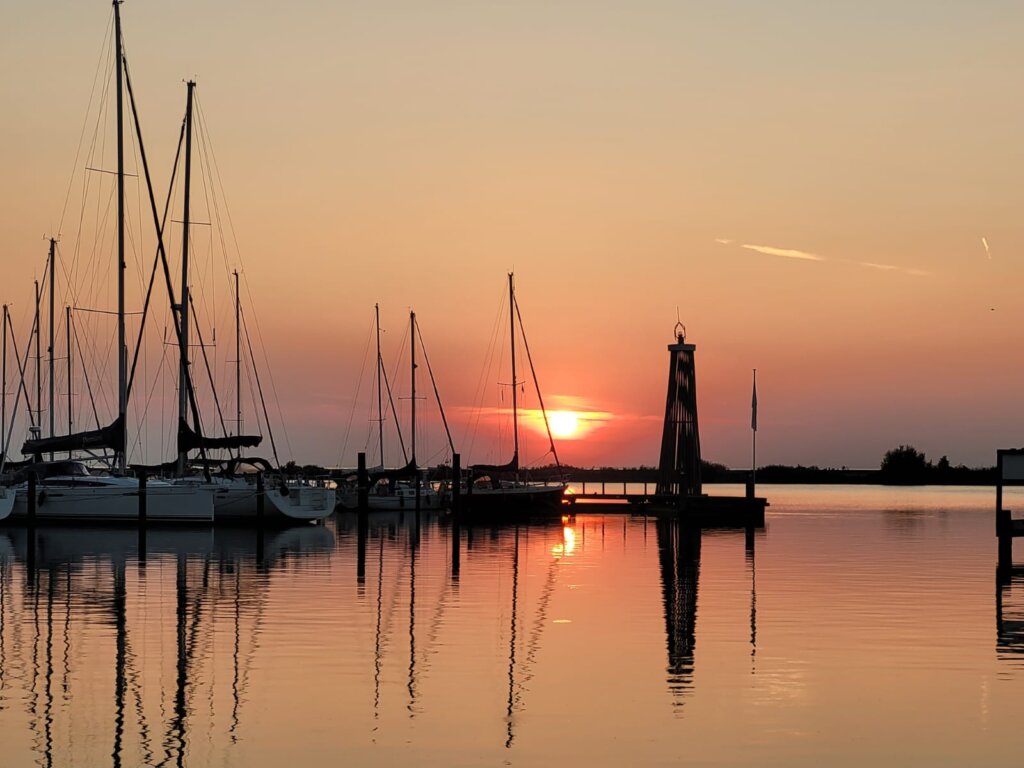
[892,268]
[984,242]
[791,253]
[788,253]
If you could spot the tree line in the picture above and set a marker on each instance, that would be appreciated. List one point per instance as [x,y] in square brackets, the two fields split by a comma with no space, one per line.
[903,465]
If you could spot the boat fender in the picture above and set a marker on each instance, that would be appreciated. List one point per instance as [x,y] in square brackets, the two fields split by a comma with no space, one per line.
[284,489]
[41,499]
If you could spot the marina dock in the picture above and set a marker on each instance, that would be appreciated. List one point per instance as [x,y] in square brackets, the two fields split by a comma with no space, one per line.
[704,510]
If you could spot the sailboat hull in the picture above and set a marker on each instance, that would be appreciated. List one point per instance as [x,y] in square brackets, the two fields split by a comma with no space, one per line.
[515,499]
[117,500]
[429,499]
[7,497]
[236,500]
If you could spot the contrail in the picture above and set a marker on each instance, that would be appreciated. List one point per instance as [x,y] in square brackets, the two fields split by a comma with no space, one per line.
[788,253]
[988,253]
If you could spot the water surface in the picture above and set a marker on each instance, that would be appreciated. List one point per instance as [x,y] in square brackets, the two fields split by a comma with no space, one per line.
[861,624]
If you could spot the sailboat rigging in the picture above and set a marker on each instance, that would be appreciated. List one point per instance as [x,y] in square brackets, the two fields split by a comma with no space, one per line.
[237,492]
[497,488]
[67,489]
[405,487]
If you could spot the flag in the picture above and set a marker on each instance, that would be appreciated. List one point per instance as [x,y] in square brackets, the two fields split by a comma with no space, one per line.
[753,405]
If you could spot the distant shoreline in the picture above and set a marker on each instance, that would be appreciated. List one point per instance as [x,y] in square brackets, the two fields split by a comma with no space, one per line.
[715,474]
[784,475]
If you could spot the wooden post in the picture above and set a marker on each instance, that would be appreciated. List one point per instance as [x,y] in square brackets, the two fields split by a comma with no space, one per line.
[1004,525]
[362,535]
[456,548]
[260,498]
[456,483]
[143,515]
[362,485]
[416,490]
[32,499]
[142,498]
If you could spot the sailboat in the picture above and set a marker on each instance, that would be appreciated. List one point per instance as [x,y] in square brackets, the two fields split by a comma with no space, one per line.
[68,489]
[236,486]
[502,488]
[405,487]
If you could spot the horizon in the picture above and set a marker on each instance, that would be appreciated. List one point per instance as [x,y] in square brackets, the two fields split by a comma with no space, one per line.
[821,197]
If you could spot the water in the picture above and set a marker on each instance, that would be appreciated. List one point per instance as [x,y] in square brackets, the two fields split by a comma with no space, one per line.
[860,625]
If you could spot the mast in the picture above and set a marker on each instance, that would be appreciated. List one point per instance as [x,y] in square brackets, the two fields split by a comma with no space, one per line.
[49,351]
[122,350]
[412,347]
[39,359]
[515,397]
[380,401]
[3,393]
[183,351]
[238,360]
[67,330]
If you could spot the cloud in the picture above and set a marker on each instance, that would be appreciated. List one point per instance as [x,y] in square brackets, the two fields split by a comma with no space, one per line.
[892,268]
[788,253]
[792,253]
[984,242]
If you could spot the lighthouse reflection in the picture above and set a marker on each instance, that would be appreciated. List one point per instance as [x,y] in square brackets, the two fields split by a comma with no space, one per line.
[679,562]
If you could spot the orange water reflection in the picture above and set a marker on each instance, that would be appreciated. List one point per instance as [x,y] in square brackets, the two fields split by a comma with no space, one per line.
[604,640]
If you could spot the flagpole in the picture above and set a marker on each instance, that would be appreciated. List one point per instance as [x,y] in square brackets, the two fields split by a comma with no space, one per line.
[753,431]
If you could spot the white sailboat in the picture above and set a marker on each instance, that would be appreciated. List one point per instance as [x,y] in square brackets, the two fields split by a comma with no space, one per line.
[497,489]
[68,490]
[406,487]
[244,490]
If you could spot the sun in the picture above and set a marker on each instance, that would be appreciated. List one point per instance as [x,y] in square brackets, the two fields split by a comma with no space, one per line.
[563,423]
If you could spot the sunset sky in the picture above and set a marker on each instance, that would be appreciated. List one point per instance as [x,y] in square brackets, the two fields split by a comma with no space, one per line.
[828,192]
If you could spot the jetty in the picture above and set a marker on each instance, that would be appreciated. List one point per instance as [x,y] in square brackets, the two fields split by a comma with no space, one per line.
[1009,473]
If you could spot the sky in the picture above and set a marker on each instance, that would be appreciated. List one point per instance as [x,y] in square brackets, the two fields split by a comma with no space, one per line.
[826,192]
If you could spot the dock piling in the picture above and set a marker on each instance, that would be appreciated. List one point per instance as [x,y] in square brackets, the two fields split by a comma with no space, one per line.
[1009,471]
[32,498]
[261,500]
[456,483]
[142,498]
[362,484]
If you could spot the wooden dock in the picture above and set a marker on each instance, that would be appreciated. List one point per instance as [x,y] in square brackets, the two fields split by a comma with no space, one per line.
[702,510]
[1009,472]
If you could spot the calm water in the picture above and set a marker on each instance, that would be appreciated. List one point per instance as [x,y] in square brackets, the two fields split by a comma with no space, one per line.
[861,625]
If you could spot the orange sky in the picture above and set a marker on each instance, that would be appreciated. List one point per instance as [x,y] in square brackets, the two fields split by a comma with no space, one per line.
[624,162]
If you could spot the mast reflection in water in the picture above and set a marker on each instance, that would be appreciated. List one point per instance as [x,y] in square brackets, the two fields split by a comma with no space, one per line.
[402,638]
[83,616]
